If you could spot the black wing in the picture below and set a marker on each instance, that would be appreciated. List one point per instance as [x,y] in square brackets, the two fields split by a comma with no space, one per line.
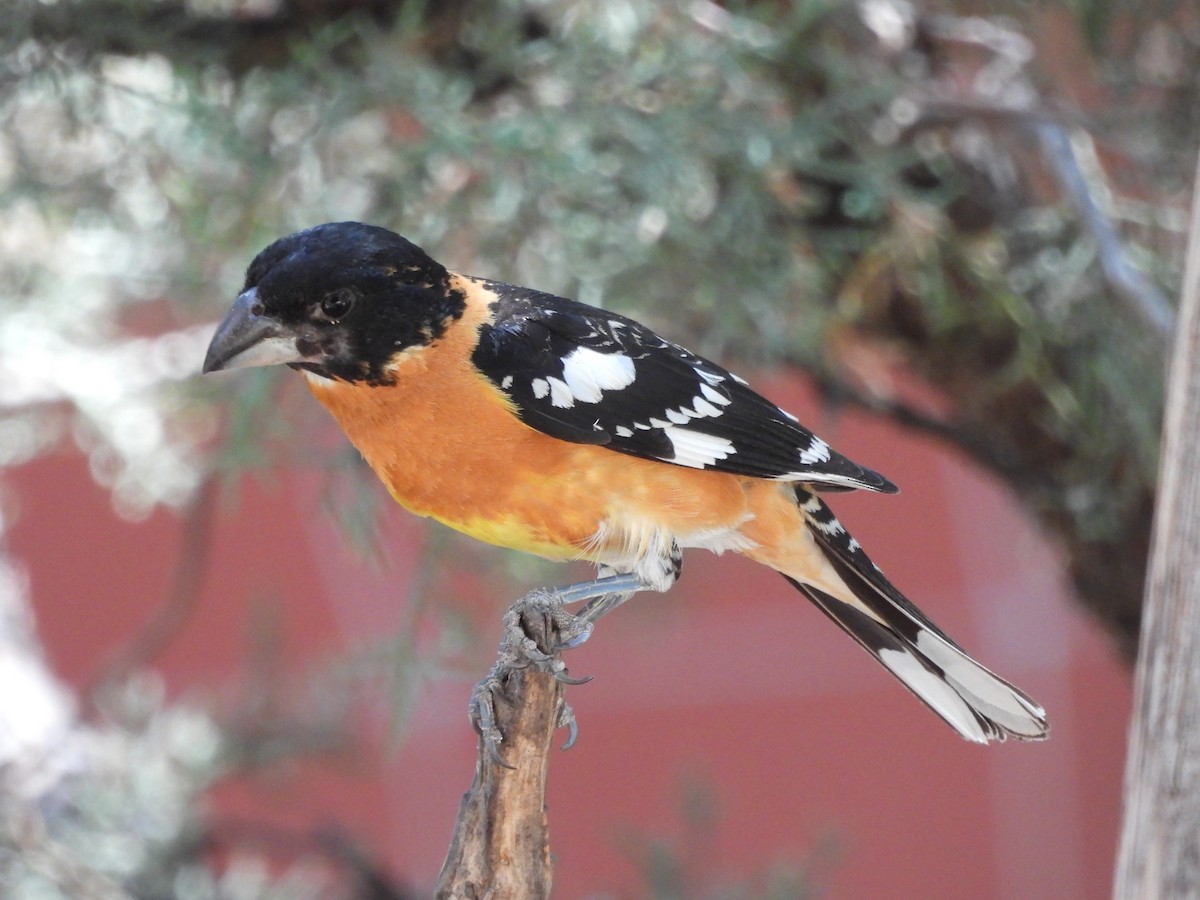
[590,376]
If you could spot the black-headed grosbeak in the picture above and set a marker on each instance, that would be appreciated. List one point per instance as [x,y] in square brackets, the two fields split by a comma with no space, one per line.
[552,427]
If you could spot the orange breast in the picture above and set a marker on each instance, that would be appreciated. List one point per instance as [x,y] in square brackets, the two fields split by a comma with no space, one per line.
[448,445]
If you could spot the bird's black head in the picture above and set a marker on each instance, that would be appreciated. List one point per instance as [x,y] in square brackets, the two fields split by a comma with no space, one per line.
[340,300]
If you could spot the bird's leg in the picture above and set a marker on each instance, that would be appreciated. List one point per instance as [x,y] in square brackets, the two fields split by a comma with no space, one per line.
[603,596]
[536,628]
[656,572]
[565,628]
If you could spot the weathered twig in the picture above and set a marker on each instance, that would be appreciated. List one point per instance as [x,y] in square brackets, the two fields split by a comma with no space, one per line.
[501,844]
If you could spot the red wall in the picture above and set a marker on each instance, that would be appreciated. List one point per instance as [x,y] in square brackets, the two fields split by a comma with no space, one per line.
[732,682]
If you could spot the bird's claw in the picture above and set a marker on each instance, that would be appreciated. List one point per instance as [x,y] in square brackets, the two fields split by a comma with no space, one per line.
[525,636]
[566,719]
[521,646]
[548,662]
[563,678]
[483,715]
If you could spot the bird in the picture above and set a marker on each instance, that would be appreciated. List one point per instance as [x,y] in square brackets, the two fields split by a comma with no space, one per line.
[571,432]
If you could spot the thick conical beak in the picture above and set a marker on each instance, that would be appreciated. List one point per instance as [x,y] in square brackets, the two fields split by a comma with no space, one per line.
[246,338]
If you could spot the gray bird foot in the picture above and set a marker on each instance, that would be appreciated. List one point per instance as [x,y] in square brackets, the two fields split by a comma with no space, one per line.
[536,628]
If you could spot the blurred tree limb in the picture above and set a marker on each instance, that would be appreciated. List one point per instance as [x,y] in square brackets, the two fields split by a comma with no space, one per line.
[240,39]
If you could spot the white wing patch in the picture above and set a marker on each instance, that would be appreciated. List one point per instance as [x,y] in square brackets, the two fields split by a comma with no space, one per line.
[701,407]
[705,409]
[712,395]
[560,393]
[678,416]
[541,387]
[589,373]
[817,451]
[696,449]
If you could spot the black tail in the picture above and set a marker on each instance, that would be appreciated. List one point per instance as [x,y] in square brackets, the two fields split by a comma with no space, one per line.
[976,703]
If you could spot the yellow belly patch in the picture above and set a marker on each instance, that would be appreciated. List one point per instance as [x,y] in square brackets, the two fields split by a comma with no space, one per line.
[514,534]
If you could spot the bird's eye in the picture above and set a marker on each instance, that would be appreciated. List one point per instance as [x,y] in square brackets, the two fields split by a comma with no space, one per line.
[337,303]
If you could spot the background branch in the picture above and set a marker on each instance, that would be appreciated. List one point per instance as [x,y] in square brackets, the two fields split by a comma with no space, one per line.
[241,42]
[1125,279]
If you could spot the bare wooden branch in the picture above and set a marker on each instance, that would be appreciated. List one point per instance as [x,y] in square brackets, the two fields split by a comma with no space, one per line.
[1158,856]
[501,844]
